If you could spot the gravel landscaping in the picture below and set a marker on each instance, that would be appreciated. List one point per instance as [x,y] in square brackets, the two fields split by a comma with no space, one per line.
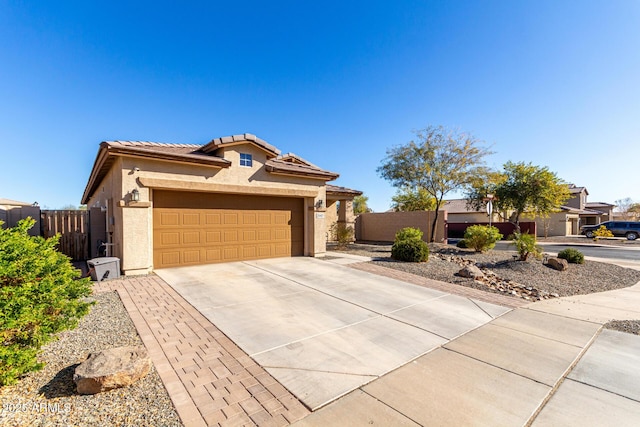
[48,397]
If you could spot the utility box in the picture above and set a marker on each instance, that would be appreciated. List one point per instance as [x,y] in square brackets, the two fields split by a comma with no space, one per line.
[104,268]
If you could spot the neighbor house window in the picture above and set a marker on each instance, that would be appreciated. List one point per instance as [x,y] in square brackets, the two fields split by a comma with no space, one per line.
[246,160]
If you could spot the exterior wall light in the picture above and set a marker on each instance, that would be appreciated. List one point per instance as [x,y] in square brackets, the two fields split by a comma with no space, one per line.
[135,195]
[319,204]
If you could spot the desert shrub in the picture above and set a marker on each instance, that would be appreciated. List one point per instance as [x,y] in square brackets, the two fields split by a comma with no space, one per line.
[482,237]
[462,244]
[573,256]
[603,232]
[409,233]
[343,234]
[526,245]
[412,250]
[40,295]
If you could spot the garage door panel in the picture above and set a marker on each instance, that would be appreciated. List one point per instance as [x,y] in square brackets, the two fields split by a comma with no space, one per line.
[191,237]
[170,218]
[231,253]
[231,218]
[213,237]
[191,219]
[212,218]
[213,255]
[196,228]
[230,236]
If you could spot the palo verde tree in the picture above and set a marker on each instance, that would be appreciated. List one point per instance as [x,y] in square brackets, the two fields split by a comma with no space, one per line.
[408,199]
[522,188]
[438,162]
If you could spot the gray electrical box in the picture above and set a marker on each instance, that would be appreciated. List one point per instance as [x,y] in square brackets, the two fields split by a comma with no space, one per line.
[104,268]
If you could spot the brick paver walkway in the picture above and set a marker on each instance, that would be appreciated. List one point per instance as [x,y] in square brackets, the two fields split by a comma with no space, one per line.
[210,380]
[441,286]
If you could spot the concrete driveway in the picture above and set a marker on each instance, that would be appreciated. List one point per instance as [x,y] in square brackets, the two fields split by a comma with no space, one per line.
[324,329]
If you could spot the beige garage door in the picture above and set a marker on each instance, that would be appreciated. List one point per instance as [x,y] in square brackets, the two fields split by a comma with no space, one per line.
[201,228]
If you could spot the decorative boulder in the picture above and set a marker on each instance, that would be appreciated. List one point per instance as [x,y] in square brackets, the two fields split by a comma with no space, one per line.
[472,272]
[112,368]
[558,263]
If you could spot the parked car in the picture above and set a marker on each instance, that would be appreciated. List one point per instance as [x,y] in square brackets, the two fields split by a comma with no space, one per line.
[628,229]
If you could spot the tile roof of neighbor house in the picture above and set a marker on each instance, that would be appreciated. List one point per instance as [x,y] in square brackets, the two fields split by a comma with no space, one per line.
[9,202]
[457,206]
[334,190]
[576,190]
[598,205]
[289,164]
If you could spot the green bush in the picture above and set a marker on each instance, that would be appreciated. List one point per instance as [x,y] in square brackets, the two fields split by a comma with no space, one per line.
[343,234]
[409,233]
[462,244]
[526,245]
[40,295]
[412,250]
[481,237]
[573,256]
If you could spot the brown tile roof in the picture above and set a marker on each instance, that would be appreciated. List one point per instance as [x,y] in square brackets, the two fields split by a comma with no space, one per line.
[297,169]
[457,206]
[288,164]
[218,143]
[598,205]
[576,190]
[334,190]
[109,150]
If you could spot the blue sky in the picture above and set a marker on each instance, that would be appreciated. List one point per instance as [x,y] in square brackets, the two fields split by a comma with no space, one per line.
[555,83]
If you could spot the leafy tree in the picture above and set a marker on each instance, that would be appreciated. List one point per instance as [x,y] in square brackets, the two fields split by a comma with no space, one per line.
[522,189]
[360,204]
[40,295]
[440,161]
[72,207]
[408,199]
[627,208]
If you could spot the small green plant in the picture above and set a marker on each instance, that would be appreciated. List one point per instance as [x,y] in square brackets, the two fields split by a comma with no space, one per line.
[40,295]
[526,245]
[343,234]
[481,237]
[409,233]
[412,250]
[409,246]
[572,256]
[462,244]
[602,232]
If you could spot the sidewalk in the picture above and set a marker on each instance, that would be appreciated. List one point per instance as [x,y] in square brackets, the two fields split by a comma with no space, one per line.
[549,363]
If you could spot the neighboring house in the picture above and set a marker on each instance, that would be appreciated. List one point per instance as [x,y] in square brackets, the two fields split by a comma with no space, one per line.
[12,211]
[234,198]
[574,213]
[458,211]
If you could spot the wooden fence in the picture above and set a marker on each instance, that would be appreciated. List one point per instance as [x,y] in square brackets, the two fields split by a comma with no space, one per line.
[73,226]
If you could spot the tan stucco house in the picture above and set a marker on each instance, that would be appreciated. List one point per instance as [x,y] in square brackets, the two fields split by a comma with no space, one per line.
[234,198]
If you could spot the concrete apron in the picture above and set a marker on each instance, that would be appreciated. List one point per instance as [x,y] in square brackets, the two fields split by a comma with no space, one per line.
[323,329]
[547,364]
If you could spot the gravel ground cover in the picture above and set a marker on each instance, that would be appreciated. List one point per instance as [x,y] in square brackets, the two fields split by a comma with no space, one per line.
[587,278]
[48,397]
